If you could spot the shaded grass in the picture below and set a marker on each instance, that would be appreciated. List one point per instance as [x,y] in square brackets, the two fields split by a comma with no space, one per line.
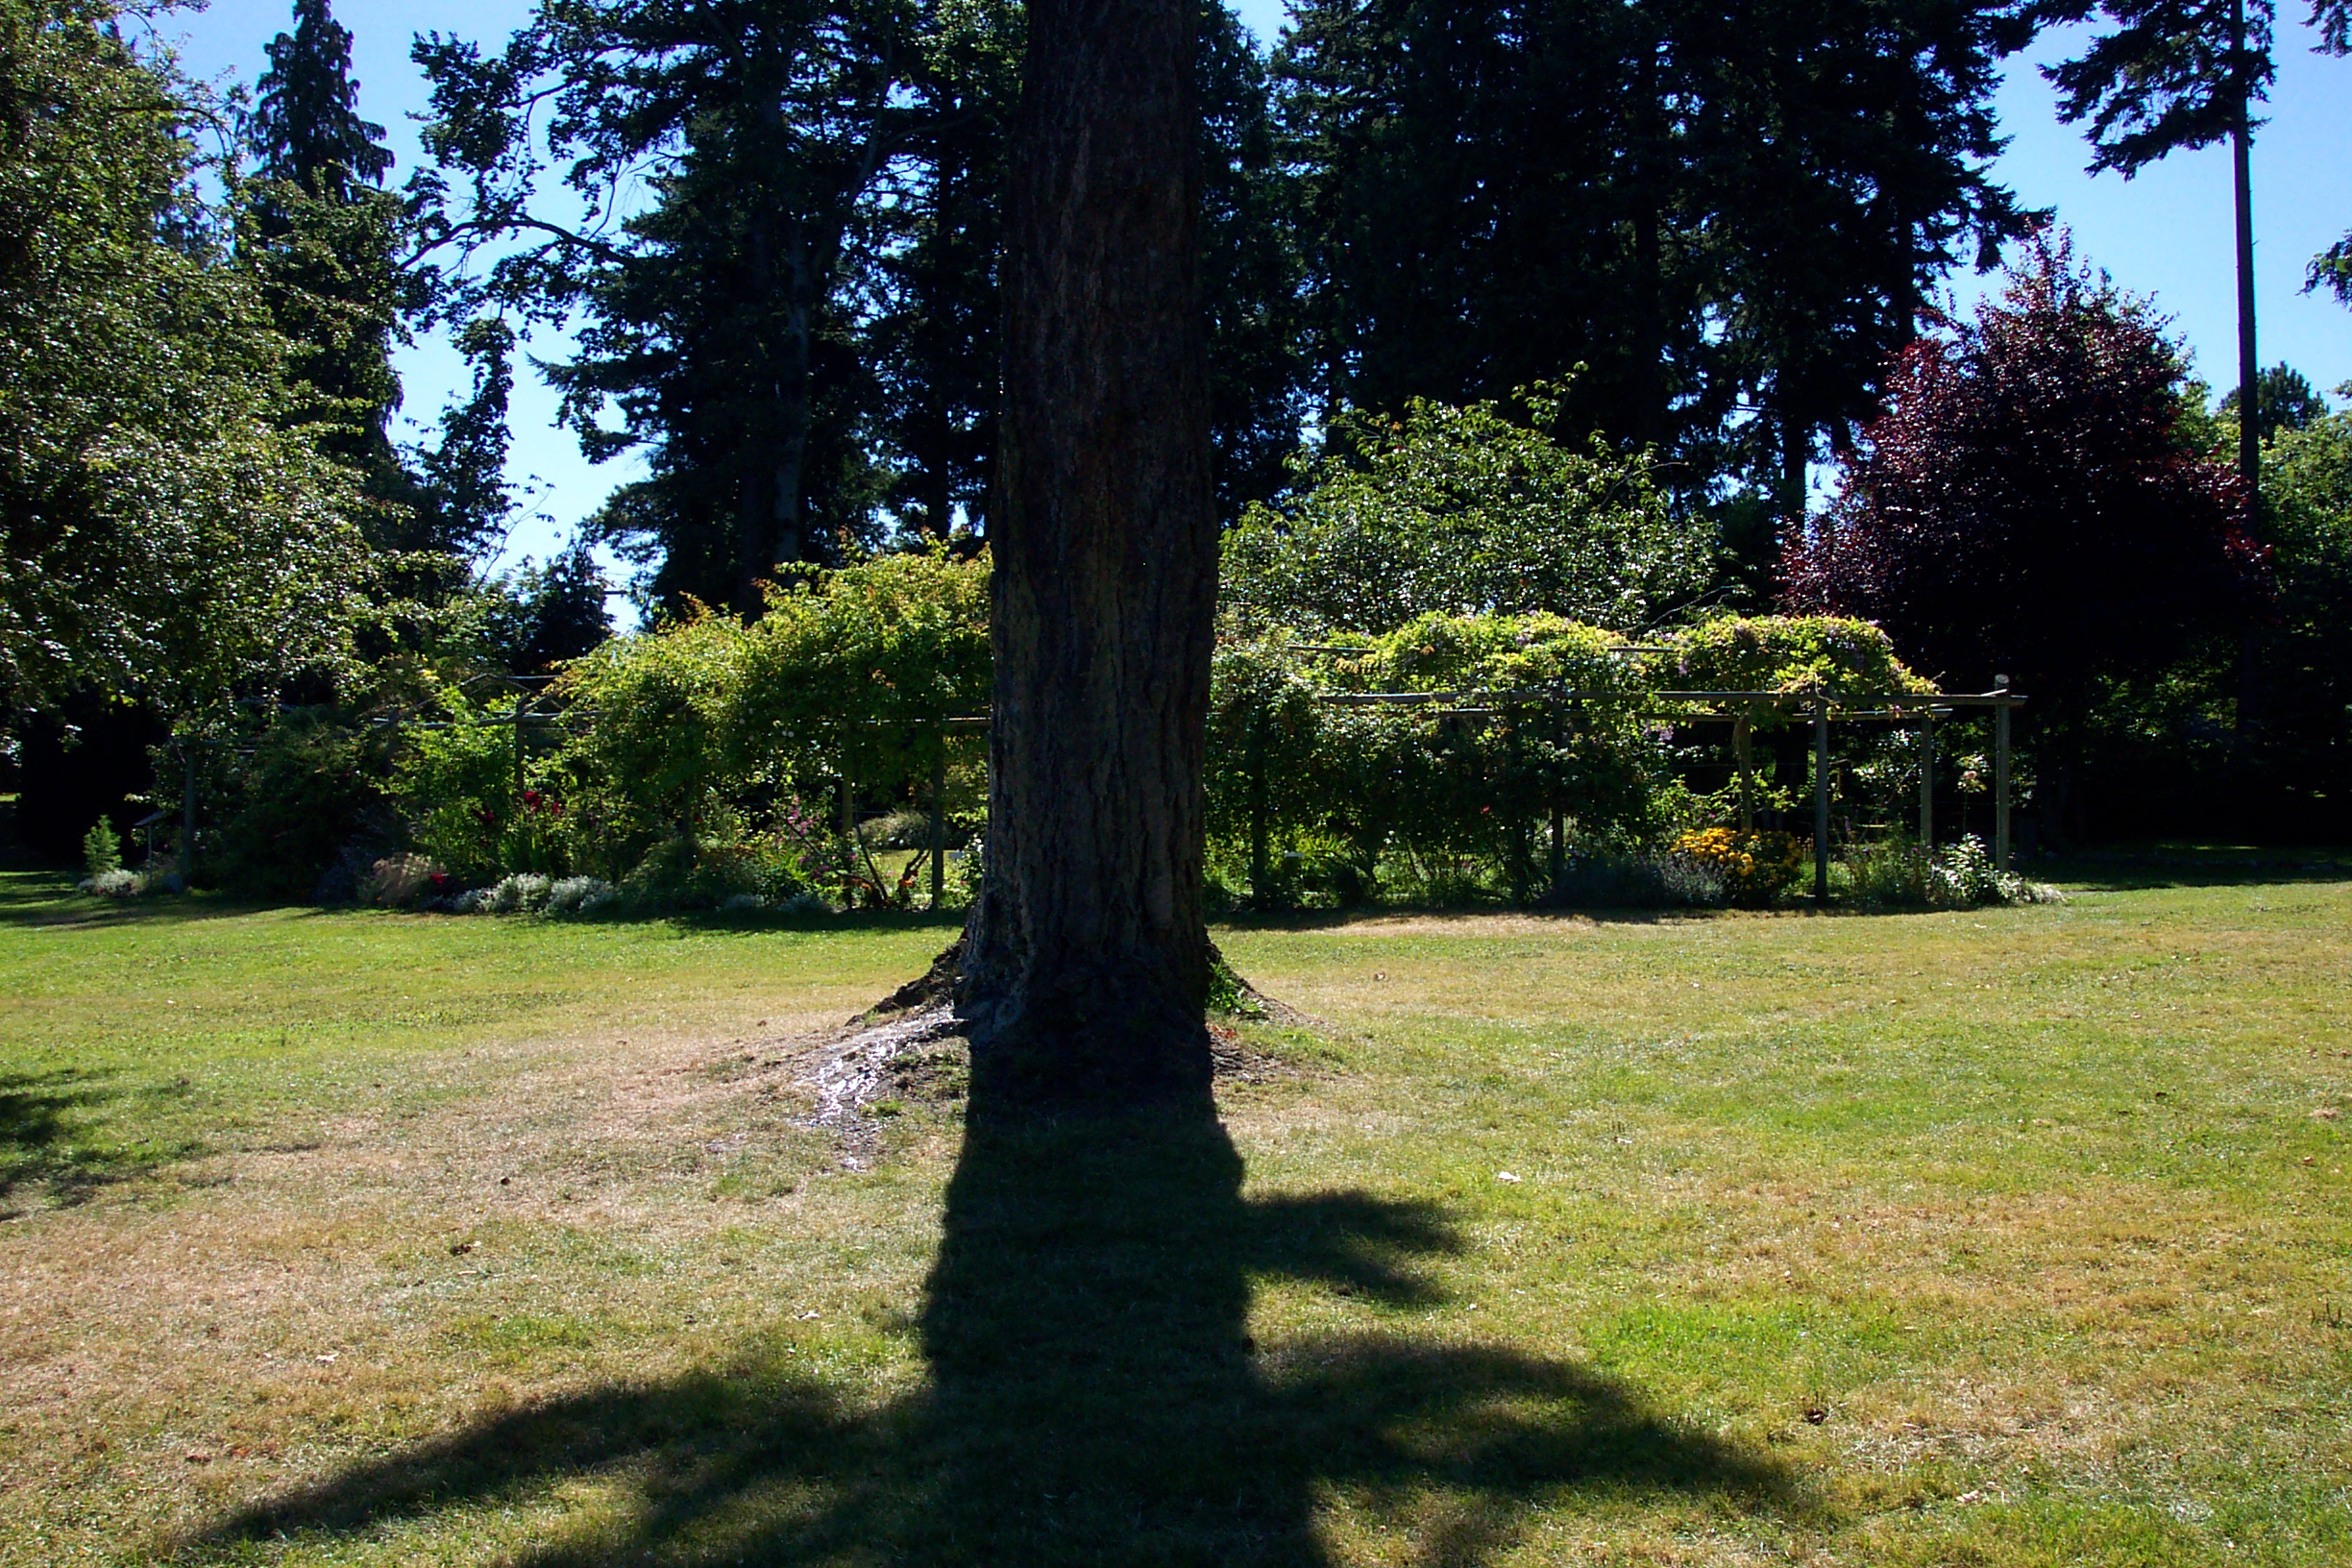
[2005,1238]
[1095,1396]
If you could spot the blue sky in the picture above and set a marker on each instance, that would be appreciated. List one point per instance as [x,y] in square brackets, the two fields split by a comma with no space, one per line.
[2164,234]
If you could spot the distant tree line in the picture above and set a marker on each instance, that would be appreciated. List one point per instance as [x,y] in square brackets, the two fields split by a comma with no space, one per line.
[1677,256]
[1725,225]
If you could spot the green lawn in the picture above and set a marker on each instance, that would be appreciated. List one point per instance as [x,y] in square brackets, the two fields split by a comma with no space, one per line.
[2004,1238]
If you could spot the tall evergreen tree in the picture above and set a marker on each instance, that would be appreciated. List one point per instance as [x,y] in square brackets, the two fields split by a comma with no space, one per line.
[1086,965]
[719,320]
[305,122]
[932,333]
[2284,400]
[2332,266]
[1726,216]
[2174,75]
[325,240]
[1251,269]
[1842,157]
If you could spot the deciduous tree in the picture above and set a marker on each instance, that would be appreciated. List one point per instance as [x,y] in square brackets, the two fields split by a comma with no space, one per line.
[2031,505]
[165,534]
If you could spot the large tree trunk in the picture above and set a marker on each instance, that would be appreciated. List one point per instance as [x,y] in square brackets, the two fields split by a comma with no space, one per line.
[1085,962]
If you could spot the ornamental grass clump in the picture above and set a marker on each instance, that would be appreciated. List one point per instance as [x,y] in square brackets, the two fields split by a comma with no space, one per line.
[402,881]
[581,896]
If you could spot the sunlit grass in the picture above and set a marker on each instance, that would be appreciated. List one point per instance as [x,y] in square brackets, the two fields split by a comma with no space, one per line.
[2005,1238]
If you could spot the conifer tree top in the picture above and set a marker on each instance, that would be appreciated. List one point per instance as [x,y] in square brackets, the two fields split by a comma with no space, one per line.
[307,123]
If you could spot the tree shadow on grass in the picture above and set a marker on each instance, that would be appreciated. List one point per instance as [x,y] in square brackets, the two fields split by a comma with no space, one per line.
[48,1144]
[1400,915]
[2146,869]
[48,898]
[1093,1397]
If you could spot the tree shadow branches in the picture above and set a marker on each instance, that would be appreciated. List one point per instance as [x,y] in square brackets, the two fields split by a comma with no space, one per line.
[50,1142]
[1095,1395]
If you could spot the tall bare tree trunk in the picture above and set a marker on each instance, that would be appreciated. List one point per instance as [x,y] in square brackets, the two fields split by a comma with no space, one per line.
[1085,962]
[2250,370]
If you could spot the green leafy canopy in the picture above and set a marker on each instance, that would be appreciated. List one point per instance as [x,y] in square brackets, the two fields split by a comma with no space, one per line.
[1464,510]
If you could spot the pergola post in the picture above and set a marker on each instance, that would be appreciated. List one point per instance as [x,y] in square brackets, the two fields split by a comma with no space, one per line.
[1743,749]
[939,821]
[2000,776]
[1927,759]
[1821,802]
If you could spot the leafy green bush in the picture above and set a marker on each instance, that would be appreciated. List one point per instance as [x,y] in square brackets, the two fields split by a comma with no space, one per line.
[1313,797]
[454,781]
[1896,872]
[1495,782]
[1823,654]
[701,754]
[1964,876]
[703,763]
[1461,511]
[311,785]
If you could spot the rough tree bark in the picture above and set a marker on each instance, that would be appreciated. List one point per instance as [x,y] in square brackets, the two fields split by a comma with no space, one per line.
[1085,962]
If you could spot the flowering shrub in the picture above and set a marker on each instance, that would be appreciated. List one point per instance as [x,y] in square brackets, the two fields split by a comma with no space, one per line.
[398,881]
[1755,867]
[118,883]
[1812,653]
[1964,876]
[1898,872]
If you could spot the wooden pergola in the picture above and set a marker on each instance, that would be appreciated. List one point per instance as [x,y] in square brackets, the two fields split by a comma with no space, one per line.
[1739,708]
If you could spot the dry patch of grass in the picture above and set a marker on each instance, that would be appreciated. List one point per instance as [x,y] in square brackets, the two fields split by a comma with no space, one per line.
[2003,1239]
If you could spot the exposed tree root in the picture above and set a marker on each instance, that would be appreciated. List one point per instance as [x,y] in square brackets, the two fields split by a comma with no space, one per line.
[902,1045]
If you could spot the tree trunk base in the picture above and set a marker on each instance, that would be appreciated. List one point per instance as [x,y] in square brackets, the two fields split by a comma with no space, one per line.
[1082,1049]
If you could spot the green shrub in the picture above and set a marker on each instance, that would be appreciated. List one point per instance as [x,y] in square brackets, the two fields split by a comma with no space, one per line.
[1964,876]
[1470,796]
[101,849]
[311,785]
[1893,873]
